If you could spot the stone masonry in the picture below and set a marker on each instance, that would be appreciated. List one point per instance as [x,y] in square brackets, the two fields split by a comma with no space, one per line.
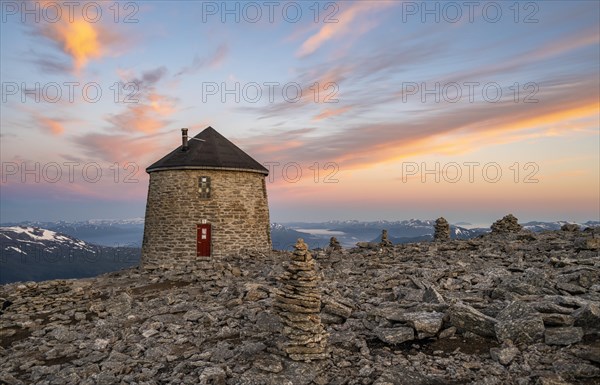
[298,301]
[385,241]
[334,244]
[442,230]
[508,224]
[237,211]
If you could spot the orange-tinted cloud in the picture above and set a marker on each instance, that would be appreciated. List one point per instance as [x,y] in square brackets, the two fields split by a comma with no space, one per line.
[149,110]
[83,40]
[346,23]
[147,117]
[453,130]
[330,112]
[55,127]
[80,40]
[121,148]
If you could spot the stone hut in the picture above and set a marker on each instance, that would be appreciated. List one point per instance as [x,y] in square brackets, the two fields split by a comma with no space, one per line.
[207,198]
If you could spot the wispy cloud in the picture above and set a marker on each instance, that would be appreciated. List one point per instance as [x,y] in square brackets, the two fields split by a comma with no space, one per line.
[149,110]
[212,61]
[347,23]
[450,130]
[50,125]
[123,148]
[331,112]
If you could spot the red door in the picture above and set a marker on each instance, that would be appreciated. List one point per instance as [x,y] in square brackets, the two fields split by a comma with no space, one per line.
[203,240]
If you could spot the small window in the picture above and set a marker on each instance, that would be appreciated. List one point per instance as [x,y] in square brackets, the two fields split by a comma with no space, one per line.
[204,187]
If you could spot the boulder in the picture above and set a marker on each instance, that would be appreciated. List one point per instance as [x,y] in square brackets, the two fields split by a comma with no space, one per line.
[563,336]
[466,317]
[519,323]
[396,335]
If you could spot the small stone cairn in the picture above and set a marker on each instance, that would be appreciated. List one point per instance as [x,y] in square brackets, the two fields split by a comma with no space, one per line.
[570,227]
[298,301]
[508,224]
[442,230]
[334,244]
[385,242]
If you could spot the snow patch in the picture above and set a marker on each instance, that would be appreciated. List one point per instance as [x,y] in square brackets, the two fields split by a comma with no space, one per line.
[16,249]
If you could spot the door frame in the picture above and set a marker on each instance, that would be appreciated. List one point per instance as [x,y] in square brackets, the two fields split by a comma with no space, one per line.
[200,251]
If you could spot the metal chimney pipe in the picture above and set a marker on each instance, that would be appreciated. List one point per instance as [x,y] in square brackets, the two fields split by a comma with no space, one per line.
[184,139]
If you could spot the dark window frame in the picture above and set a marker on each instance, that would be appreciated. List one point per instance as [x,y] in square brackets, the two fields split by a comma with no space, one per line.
[204,188]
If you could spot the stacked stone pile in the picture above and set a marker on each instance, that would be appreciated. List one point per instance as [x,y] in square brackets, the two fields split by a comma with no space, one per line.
[298,301]
[442,230]
[508,224]
[570,227]
[334,244]
[385,242]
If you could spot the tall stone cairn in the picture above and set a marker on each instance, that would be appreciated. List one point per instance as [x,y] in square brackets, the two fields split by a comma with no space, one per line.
[334,244]
[298,301]
[442,230]
[508,224]
[385,242]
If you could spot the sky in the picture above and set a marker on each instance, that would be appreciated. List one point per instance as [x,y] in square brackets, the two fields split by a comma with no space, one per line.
[362,110]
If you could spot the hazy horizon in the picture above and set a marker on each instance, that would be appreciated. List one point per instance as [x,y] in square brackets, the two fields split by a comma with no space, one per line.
[461,223]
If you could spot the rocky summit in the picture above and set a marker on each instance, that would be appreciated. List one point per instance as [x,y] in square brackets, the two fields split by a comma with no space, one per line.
[509,307]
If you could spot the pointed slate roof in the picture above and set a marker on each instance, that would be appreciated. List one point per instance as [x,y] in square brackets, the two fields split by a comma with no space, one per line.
[208,150]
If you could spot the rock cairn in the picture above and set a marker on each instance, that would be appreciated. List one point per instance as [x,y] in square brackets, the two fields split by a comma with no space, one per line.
[385,242]
[298,301]
[334,244]
[571,227]
[442,230]
[508,224]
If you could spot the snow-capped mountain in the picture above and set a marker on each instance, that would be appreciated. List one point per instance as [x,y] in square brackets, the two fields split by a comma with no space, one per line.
[545,226]
[34,253]
[106,232]
[31,240]
[349,232]
[411,230]
[284,238]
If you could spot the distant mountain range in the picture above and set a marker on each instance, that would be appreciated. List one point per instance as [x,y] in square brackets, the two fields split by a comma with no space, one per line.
[412,230]
[35,254]
[114,233]
[47,250]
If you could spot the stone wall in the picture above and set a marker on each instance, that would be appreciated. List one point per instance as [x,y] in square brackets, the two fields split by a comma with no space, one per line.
[237,211]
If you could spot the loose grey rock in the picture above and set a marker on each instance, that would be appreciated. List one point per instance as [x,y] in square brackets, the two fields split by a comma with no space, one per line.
[520,323]
[432,296]
[396,335]
[588,317]
[213,375]
[217,322]
[427,324]
[466,317]
[504,355]
[563,336]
